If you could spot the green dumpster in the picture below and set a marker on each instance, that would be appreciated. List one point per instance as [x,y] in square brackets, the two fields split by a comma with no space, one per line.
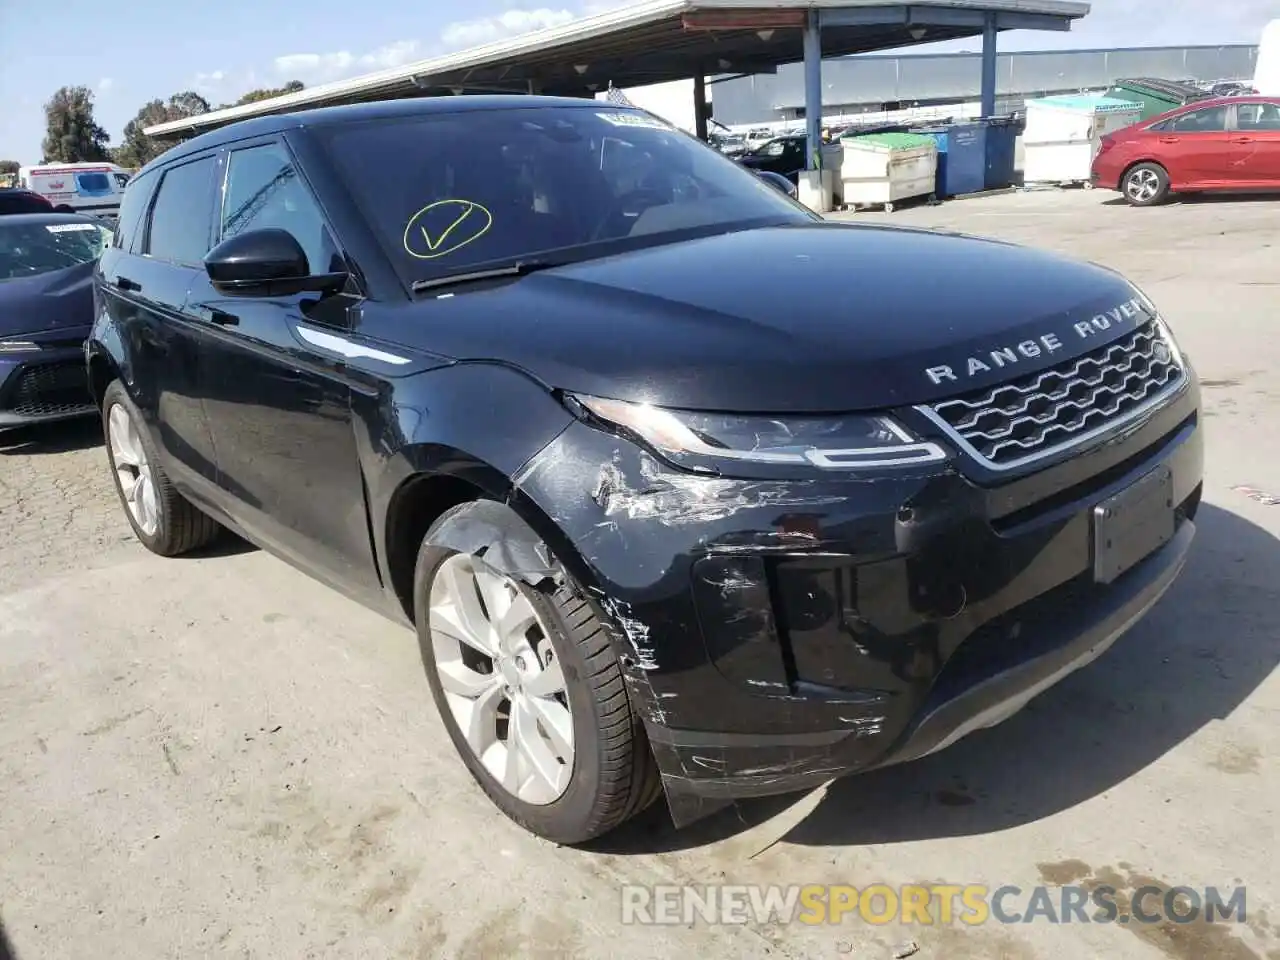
[1154,95]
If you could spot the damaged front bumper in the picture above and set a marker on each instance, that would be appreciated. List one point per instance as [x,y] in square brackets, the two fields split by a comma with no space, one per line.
[776,635]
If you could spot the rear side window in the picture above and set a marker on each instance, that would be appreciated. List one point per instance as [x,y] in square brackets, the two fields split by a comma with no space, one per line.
[264,190]
[182,215]
[132,207]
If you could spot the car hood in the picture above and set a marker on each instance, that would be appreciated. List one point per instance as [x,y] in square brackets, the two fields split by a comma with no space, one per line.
[51,304]
[820,318]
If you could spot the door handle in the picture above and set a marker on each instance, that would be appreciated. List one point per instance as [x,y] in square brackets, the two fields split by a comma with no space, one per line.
[216,316]
[222,318]
[124,283]
[1168,139]
[1243,140]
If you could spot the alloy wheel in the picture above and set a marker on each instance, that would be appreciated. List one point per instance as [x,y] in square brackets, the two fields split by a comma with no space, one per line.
[133,471]
[1143,185]
[502,679]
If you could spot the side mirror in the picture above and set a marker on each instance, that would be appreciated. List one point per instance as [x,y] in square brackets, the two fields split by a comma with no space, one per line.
[266,263]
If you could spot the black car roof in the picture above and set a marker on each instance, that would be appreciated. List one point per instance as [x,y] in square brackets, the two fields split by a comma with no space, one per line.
[356,112]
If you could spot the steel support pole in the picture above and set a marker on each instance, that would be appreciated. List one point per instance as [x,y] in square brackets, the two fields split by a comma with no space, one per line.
[813,88]
[989,62]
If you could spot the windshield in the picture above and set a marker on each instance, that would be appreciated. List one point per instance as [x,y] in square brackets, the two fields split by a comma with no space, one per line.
[30,249]
[448,192]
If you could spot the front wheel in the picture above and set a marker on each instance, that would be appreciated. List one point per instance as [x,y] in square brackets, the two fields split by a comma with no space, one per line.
[1146,185]
[529,687]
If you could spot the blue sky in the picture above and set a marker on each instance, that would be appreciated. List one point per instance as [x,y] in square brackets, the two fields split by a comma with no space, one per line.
[152,48]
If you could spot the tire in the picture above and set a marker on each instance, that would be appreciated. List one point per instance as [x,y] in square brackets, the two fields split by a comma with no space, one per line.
[169,524]
[1145,185]
[612,776]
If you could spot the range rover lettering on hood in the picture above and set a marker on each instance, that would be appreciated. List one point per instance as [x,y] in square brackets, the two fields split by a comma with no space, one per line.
[1115,320]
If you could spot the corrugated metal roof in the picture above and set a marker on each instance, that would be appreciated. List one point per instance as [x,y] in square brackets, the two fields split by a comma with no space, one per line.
[645,43]
[954,77]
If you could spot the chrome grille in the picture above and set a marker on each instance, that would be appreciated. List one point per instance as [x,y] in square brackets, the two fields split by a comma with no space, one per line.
[1041,414]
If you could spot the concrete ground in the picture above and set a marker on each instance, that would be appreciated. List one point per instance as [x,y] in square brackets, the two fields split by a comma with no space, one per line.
[219,757]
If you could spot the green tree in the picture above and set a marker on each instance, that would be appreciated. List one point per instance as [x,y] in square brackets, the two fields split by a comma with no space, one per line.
[253,96]
[71,133]
[136,148]
[9,168]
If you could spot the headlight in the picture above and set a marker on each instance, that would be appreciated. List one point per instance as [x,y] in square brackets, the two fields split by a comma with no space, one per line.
[830,443]
[1162,325]
[18,346]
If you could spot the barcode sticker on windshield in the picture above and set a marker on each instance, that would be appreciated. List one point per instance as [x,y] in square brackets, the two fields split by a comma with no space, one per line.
[634,120]
[69,227]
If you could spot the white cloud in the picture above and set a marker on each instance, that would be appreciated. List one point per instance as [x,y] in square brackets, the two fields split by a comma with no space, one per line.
[322,67]
[105,84]
[470,33]
[209,82]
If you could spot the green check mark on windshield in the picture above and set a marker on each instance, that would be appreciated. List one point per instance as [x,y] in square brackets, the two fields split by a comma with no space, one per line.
[434,245]
[427,243]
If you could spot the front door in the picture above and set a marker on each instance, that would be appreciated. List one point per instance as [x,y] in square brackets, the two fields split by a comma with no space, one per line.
[280,413]
[1196,148]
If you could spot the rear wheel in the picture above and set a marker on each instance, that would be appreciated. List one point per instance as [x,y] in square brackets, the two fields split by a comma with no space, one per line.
[164,520]
[533,697]
[1145,185]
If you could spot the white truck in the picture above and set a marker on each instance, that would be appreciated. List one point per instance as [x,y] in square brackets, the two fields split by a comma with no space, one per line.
[1266,79]
[92,188]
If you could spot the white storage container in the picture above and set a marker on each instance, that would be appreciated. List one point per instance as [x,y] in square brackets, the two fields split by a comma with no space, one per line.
[882,168]
[1063,135]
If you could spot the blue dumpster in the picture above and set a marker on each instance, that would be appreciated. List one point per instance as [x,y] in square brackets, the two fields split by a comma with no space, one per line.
[1002,146]
[962,157]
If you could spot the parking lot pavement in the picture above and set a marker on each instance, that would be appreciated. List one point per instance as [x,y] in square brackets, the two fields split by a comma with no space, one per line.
[219,757]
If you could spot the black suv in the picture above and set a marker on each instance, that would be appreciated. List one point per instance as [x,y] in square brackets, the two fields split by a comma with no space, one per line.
[569,391]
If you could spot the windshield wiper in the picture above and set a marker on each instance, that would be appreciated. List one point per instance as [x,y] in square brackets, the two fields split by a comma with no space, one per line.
[517,269]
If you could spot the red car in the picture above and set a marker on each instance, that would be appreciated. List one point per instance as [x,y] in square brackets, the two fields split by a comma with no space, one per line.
[1228,144]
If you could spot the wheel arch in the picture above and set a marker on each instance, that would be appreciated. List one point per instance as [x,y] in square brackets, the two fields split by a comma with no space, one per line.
[517,534]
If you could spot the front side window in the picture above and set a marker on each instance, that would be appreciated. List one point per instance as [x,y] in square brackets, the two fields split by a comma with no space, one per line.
[448,192]
[30,249]
[181,216]
[263,190]
[1209,120]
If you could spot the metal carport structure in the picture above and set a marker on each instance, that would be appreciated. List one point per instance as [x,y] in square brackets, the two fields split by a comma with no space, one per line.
[663,40]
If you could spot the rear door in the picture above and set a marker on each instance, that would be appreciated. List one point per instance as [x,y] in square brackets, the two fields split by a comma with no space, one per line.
[279,410]
[1196,148]
[163,347]
[1256,142]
